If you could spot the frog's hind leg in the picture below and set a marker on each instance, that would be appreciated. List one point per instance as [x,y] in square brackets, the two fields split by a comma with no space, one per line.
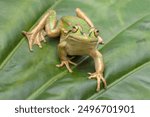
[45,26]
[99,67]
[83,16]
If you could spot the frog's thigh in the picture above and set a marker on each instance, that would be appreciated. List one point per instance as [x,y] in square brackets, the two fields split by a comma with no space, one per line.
[62,51]
[52,26]
[83,16]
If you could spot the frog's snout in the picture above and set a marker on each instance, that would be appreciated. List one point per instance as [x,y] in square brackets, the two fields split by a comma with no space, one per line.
[102,43]
[100,40]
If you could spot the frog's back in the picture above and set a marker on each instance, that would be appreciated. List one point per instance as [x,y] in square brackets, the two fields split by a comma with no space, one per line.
[69,21]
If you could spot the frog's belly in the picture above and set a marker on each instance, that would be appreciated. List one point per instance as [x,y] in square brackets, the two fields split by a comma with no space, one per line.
[80,48]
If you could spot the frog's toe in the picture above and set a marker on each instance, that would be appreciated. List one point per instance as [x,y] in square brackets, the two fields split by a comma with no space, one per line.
[99,77]
[72,62]
[40,46]
[34,38]
[66,63]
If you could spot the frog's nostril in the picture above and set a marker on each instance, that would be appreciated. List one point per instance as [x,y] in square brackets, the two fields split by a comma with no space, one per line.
[81,33]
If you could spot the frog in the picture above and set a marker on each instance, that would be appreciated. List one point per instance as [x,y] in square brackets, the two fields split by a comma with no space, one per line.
[78,36]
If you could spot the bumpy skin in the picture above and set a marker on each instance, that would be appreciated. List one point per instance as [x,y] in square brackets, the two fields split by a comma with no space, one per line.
[78,36]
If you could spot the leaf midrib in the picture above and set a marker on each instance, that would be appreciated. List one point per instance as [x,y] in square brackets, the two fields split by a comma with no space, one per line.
[48,83]
[125,76]
[11,53]
[128,73]
[51,81]
[35,94]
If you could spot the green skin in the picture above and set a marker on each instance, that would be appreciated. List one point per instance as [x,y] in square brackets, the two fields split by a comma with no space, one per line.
[77,37]
[74,41]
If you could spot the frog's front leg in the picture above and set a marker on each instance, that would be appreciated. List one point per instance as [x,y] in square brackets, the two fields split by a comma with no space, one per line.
[47,25]
[63,56]
[99,67]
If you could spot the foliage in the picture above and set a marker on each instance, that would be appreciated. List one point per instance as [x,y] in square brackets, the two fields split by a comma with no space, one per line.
[125,28]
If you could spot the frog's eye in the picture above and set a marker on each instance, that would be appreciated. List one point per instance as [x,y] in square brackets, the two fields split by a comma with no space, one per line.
[75,29]
[96,32]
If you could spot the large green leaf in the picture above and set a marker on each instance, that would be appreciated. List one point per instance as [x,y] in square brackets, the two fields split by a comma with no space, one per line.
[125,28]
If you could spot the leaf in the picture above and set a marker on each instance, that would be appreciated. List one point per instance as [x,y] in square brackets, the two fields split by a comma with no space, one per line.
[125,28]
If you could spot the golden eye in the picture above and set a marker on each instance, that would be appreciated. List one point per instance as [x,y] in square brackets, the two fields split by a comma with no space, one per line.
[74,29]
[96,32]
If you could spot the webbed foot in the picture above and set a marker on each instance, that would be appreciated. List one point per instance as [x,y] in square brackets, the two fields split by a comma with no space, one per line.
[34,38]
[99,77]
[37,34]
[66,63]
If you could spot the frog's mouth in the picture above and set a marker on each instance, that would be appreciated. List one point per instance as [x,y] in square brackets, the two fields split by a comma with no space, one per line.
[82,39]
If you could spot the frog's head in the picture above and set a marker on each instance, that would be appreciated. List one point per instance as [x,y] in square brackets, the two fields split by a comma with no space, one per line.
[77,33]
